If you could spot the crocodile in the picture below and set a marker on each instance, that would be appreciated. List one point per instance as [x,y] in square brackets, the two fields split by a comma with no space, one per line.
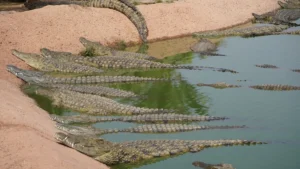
[123,6]
[294,32]
[38,77]
[48,64]
[93,104]
[212,166]
[129,63]
[291,4]
[101,50]
[267,66]
[205,47]
[220,85]
[244,32]
[93,89]
[133,151]
[282,17]
[275,87]
[150,128]
[121,62]
[296,70]
[144,118]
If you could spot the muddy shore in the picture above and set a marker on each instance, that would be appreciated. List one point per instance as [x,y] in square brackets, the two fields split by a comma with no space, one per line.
[27,132]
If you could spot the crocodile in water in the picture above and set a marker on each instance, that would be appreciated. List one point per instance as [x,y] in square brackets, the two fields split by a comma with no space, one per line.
[93,89]
[244,32]
[275,87]
[94,104]
[144,118]
[150,128]
[212,166]
[220,85]
[205,47]
[133,151]
[267,66]
[37,77]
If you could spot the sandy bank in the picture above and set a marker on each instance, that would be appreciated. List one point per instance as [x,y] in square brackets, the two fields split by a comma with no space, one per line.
[26,131]
[27,141]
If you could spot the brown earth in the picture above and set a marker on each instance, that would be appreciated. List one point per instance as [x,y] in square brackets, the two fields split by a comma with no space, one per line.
[26,131]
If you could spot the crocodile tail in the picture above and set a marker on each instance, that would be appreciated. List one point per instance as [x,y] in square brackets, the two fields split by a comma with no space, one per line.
[131,13]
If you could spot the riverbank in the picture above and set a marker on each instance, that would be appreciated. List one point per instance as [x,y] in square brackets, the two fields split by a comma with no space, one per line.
[28,132]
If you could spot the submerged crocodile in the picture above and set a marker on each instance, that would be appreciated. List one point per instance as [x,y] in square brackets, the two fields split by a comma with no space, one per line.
[48,64]
[223,85]
[290,4]
[267,66]
[244,32]
[144,118]
[92,89]
[282,17]
[37,77]
[296,70]
[205,47]
[101,50]
[275,87]
[93,104]
[151,128]
[123,6]
[220,85]
[133,151]
[212,166]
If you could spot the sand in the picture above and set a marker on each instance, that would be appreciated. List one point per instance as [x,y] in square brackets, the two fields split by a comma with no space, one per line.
[26,131]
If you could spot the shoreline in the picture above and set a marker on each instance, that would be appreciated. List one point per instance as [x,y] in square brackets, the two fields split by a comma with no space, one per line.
[29,133]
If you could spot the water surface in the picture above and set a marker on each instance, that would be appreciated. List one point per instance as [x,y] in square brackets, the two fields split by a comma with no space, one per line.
[271,116]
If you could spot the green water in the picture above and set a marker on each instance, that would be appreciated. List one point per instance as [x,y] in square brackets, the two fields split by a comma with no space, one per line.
[271,116]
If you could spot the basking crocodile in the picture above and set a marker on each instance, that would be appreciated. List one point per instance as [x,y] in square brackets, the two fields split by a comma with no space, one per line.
[275,87]
[37,77]
[93,104]
[133,151]
[220,85]
[122,62]
[205,47]
[212,166]
[144,118]
[101,50]
[151,128]
[267,66]
[291,4]
[93,89]
[244,32]
[123,6]
[282,17]
[128,63]
[48,64]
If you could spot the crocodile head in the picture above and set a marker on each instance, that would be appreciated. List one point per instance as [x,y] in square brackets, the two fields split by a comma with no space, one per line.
[54,54]
[91,146]
[26,75]
[31,59]
[99,49]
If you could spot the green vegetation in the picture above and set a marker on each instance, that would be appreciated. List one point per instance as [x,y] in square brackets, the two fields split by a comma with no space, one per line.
[88,52]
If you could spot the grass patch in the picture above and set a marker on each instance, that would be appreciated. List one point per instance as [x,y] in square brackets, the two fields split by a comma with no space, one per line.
[88,52]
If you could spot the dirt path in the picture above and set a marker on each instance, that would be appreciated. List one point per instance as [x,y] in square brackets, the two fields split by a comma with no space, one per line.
[26,131]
